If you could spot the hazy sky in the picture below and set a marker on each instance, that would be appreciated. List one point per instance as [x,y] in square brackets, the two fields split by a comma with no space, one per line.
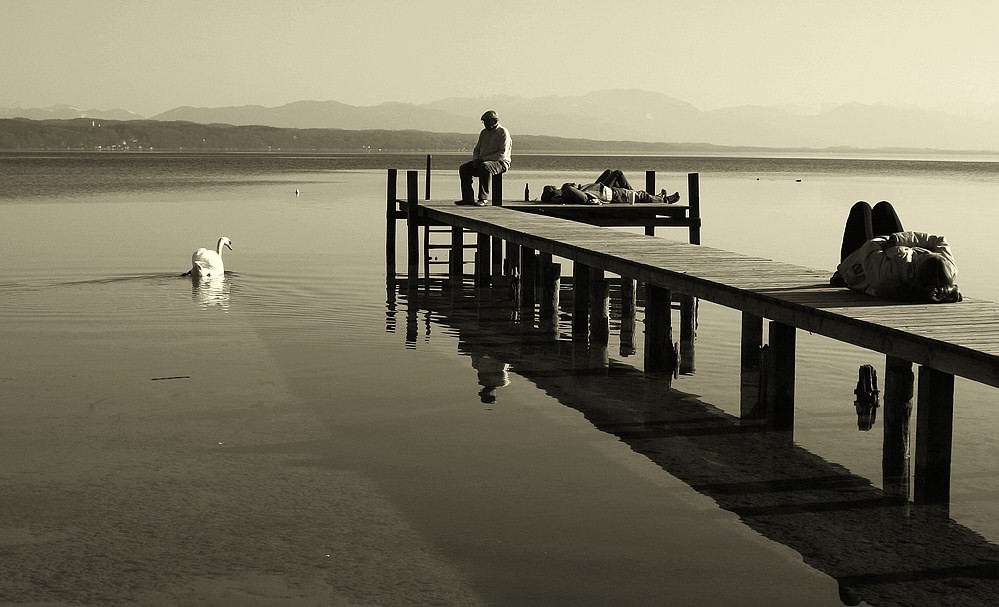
[153,56]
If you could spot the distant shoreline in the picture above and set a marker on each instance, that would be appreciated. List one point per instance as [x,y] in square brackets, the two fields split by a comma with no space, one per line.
[145,136]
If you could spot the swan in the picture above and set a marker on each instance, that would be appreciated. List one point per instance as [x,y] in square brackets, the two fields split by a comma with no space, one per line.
[205,262]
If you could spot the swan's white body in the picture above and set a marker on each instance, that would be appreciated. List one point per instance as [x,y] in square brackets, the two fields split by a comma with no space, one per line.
[206,263]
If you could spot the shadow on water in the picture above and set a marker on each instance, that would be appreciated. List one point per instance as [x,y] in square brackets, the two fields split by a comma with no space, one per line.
[881,549]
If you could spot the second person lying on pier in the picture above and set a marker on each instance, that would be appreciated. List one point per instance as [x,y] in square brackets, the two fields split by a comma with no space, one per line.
[881,259]
[611,186]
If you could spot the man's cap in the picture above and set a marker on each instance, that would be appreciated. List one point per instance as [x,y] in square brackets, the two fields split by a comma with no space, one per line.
[490,115]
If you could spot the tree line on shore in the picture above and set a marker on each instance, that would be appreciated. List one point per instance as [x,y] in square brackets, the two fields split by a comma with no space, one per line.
[87,134]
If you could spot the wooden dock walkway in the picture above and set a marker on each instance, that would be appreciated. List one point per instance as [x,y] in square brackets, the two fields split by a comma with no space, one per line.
[945,340]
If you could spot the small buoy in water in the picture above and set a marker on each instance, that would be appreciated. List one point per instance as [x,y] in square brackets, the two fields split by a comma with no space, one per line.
[797,181]
[296,192]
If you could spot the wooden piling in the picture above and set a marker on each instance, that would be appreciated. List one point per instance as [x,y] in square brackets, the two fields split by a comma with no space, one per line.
[750,405]
[660,353]
[650,187]
[482,261]
[456,257]
[391,216]
[413,225]
[629,309]
[580,301]
[528,280]
[781,388]
[599,307]
[934,435]
[899,389]
[429,162]
[694,202]
[688,332]
[549,303]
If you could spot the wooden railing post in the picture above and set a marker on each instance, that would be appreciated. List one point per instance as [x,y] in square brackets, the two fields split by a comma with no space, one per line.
[650,187]
[413,224]
[694,202]
[429,160]
[391,216]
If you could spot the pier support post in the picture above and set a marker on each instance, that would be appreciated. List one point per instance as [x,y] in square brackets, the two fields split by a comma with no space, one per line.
[549,301]
[750,406]
[629,307]
[413,225]
[934,436]
[899,384]
[516,282]
[688,332]
[599,307]
[580,301]
[528,282]
[456,258]
[694,202]
[650,187]
[482,261]
[660,352]
[390,219]
[781,377]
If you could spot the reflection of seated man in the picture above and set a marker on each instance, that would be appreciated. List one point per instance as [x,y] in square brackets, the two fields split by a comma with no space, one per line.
[492,374]
[612,186]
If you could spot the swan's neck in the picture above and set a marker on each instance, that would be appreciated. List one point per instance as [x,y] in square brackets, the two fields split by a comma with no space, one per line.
[219,247]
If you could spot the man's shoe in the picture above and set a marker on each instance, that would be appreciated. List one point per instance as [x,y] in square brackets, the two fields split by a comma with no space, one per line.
[672,198]
[464,202]
[481,203]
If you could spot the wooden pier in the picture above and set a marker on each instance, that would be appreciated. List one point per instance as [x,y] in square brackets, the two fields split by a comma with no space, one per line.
[943,340]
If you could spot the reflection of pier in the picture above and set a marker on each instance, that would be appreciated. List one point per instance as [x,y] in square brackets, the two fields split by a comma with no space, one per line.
[944,340]
[879,547]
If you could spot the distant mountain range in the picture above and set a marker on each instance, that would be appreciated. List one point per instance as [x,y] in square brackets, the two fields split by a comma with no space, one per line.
[613,115]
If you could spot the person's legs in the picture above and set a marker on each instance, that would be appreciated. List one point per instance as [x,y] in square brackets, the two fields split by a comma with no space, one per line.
[465,173]
[858,229]
[485,173]
[614,179]
[621,181]
[884,219]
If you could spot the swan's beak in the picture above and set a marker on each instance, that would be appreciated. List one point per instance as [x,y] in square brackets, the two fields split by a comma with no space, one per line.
[228,246]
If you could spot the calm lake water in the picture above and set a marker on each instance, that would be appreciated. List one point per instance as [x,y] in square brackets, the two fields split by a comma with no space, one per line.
[304,433]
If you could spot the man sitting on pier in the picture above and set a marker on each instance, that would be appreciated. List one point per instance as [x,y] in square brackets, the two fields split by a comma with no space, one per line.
[491,156]
[611,186]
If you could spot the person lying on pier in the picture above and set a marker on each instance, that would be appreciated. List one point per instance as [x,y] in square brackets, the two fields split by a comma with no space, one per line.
[878,257]
[491,156]
[611,186]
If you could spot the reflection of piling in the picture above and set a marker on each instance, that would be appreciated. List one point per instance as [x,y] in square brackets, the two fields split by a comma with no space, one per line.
[752,400]
[898,394]
[551,284]
[629,306]
[599,307]
[580,301]
[660,352]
